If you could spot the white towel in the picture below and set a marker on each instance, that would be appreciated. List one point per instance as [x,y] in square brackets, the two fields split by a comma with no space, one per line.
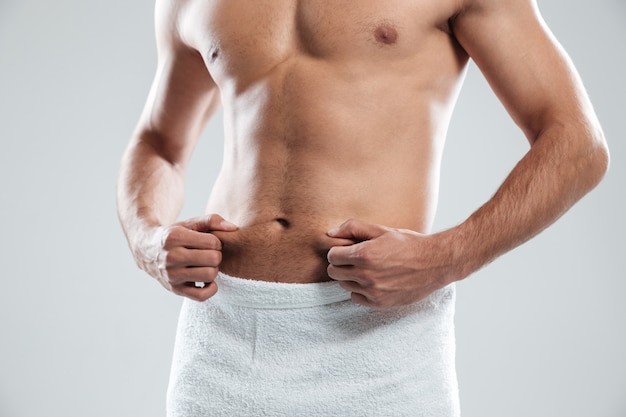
[274,349]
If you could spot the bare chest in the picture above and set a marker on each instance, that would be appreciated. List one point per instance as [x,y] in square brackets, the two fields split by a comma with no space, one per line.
[235,36]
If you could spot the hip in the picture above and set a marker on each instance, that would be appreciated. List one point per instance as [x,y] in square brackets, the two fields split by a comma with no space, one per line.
[306,349]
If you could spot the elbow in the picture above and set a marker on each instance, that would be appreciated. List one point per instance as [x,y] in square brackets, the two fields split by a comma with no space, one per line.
[603,161]
[602,156]
[597,157]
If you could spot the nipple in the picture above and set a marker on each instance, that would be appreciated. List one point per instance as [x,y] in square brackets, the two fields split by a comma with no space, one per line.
[386,33]
[213,54]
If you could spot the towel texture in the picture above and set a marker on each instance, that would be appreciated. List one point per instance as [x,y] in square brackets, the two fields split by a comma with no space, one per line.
[273,349]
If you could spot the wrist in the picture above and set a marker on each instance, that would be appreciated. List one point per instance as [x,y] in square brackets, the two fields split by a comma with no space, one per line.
[145,243]
[460,255]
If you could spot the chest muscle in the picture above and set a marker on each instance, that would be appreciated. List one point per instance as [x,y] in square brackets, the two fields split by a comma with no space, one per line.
[236,36]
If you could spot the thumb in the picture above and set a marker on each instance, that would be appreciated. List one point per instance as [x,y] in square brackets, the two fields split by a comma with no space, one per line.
[209,223]
[357,230]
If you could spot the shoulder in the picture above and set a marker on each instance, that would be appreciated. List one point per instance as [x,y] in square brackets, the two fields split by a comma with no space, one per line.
[483,19]
[167,18]
[486,7]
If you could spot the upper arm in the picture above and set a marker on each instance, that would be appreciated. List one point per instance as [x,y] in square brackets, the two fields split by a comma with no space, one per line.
[183,95]
[524,64]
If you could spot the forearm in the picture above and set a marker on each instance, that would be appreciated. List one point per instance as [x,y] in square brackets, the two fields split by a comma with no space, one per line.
[178,254]
[558,170]
[150,191]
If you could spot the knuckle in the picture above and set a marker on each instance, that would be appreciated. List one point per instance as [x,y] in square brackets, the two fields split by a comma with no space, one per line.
[375,254]
[171,237]
[177,235]
[171,257]
[352,223]
[214,257]
[367,255]
[376,303]
[161,262]
[210,274]
[216,243]
[174,279]
[379,298]
[356,251]
[373,296]
[366,277]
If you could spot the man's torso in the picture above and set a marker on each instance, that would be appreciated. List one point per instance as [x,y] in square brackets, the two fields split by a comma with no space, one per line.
[332,110]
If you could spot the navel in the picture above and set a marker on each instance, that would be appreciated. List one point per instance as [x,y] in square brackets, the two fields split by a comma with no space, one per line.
[386,34]
[283,222]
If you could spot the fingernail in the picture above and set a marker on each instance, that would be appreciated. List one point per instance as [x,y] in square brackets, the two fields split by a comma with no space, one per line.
[226,223]
[333,231]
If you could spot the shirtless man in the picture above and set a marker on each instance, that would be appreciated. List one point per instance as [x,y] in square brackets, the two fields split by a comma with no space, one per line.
[335,116]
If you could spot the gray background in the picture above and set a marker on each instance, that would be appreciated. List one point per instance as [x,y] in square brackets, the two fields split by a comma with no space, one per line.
[541,332]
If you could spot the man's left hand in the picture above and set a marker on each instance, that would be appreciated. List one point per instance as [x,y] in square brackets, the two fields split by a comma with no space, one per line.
[388,267]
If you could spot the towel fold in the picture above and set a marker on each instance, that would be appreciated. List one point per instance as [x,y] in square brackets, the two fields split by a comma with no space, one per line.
[262,294]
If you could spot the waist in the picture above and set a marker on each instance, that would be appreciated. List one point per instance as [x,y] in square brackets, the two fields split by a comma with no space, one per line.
[278,250]
[278,295]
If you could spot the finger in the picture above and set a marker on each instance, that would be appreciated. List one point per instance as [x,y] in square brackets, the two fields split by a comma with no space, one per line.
[351,286]
[181,236]
[209,223]
[338,241]
[183,257]
[339,256]
[182,276]
[350,274]
[361,299]
[339,273]
[357,230]
[189,290]
[353,255]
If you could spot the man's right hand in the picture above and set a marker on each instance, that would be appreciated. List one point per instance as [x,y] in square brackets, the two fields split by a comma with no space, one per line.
[185,254]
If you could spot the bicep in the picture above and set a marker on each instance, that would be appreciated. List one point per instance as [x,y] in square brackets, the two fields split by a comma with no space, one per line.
[524,64]
[183,95]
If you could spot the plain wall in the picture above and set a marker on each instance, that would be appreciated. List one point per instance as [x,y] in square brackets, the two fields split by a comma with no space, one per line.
[83,332]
